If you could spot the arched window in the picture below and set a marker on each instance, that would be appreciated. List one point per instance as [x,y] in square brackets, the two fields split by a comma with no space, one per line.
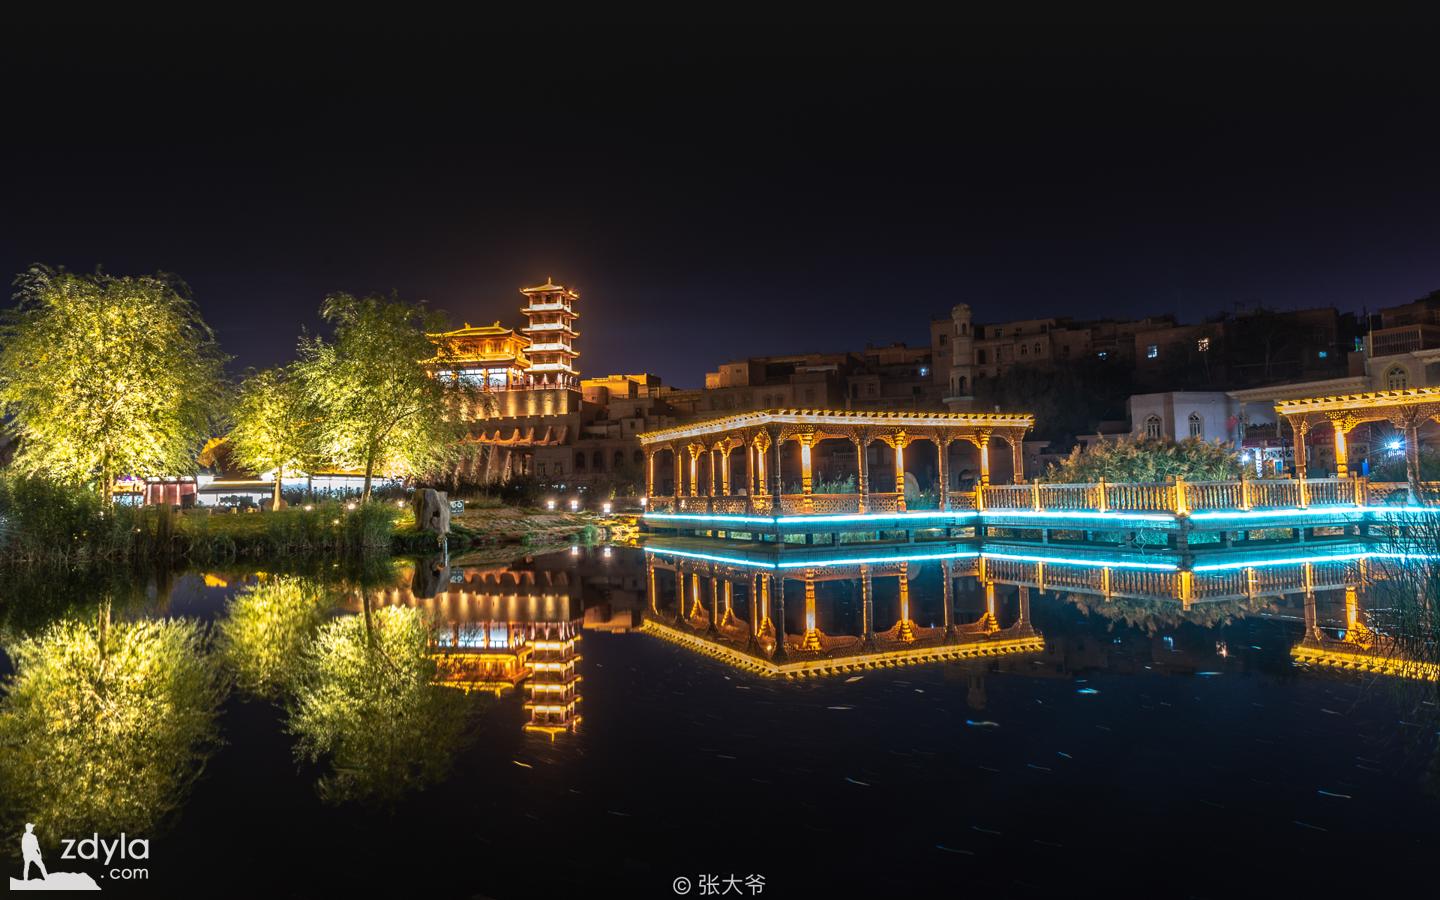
[598,460]
[1395,379]
[1152,427]
[619,459]
[1197,425]
[639,457]
[580,462]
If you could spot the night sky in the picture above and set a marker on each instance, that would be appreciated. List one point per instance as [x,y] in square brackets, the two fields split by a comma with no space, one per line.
[720,193]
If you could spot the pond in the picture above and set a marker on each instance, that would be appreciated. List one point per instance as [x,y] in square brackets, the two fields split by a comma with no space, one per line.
[612,720]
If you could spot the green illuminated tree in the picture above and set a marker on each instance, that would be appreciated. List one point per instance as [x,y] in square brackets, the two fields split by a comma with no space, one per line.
[266,630]
[380,407]
[105,726]
[366,702]
[104,376]
[1147,460]
[275,425]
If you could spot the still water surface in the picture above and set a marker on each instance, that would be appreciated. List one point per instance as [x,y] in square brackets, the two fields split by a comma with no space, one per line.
[1047,741]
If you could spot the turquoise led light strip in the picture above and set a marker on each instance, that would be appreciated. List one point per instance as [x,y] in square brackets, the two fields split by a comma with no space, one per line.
[1091,563]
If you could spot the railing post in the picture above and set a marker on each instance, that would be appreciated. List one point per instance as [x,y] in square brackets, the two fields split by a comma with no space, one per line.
[1101,502]
[1035,494]
[1181,504]
[1304,493]
[1244,489]
[1362,490]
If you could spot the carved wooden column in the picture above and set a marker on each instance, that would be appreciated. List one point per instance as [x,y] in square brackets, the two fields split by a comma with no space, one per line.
[861,439]
[679,463]
[724,448]
[807,479]
[867,608]
[1017,458]
[907,628]
[1300,427]
[649,472]
[811,640]
[777,616]
[695,451]
[981,440]
[777,483]
[711,468]
[749,468]
[942,444]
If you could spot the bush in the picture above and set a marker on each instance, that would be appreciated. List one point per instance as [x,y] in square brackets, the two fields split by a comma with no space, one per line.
[49,520]
[1147,460]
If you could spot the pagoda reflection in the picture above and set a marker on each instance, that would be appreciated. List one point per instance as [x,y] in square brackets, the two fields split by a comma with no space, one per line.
[502,628]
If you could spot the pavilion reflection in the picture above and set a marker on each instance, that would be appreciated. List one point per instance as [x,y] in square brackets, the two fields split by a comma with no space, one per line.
[823,620]
[789,618]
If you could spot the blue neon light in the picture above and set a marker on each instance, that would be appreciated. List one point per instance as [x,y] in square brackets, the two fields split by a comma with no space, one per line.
[817,563]
[1092,563]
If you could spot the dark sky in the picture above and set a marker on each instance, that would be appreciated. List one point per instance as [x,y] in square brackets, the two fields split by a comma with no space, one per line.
[719,193]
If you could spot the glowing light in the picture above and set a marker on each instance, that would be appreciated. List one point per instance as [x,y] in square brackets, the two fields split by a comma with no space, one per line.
[574,504]
[605,507]
[1089,563]
[549,504]
[1394,444]
[869,560]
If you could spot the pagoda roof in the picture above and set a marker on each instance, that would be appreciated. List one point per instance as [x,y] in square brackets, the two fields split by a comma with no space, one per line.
[483,331]
[549,287]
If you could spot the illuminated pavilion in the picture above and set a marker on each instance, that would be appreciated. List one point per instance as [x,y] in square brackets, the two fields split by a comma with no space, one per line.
[703,456]
[1407,409]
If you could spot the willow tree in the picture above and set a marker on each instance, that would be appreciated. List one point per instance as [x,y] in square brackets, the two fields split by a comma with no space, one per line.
[366,702]
[102,376]
[267,627]
[381,409]
[104,726]
[275,425]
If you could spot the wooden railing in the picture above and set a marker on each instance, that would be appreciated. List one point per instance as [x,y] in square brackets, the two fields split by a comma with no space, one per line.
[1178,497]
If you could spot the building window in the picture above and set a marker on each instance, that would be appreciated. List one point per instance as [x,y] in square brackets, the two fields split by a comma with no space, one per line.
[1152,351]
[1203,345]
[1324,354]
[1152,427]
[579,462]
[1023,350]
[942,340]
[1103,354]
[1037,349]
[1197,426]
[1395,379]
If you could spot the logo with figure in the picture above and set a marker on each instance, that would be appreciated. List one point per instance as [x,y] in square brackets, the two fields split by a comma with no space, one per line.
[48,881]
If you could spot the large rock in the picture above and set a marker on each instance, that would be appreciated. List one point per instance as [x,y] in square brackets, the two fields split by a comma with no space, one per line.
[432,511]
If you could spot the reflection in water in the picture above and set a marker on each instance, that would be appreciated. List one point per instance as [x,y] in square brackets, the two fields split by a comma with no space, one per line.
[267,627]
[366,702]
[106,724]
[695,604]
[496,627]
[695,599]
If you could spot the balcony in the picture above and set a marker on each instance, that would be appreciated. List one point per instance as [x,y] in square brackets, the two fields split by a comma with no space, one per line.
[1404,339]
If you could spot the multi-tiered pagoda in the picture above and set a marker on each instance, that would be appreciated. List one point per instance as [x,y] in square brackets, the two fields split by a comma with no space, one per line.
[550,309]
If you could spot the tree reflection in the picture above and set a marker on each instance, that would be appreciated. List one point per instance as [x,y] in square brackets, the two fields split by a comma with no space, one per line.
[365,702]
[1155,616]
[105,725]
[266,629]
